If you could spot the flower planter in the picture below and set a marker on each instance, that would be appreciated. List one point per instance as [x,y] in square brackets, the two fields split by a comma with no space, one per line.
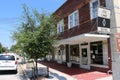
[69,64]
[48,59]
[59,61]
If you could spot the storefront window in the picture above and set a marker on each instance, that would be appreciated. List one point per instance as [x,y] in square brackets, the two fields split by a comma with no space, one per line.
[74,53]
[96,51]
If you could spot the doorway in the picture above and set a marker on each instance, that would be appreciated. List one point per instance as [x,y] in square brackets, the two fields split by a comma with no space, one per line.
[85,57]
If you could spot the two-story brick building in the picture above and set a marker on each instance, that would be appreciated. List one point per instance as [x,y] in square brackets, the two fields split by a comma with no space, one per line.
[80,41]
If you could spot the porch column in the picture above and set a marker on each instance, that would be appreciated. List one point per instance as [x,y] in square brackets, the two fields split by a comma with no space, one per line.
[53,53]
[67,53]
[109,55]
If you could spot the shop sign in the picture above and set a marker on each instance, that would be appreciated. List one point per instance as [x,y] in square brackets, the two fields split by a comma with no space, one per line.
[103,20]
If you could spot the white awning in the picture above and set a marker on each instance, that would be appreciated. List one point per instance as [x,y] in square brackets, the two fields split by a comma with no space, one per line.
[83,38]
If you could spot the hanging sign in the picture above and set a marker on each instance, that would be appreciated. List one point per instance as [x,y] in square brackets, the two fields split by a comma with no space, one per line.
[103,20]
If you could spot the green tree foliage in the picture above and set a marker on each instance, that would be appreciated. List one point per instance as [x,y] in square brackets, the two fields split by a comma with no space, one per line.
[36,33]
[0,48]
[15,48]
[3,49]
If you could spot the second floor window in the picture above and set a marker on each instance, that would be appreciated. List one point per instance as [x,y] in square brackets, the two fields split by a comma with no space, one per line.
[73,19]
[94,8]
[60,26]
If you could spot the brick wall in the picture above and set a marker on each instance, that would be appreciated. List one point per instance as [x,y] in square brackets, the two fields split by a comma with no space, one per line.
[86,24]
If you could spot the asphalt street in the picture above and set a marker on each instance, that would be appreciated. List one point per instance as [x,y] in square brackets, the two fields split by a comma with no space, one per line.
[12,75]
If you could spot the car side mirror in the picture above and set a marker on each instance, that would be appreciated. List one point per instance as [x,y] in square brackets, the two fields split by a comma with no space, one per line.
[17,58]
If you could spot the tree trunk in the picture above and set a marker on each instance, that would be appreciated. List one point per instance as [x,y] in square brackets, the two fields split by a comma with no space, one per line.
[36,69]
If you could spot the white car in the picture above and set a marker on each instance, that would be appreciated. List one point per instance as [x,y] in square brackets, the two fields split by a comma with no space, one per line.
[8,61]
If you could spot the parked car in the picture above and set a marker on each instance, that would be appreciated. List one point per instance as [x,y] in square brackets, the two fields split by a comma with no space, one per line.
[8,61]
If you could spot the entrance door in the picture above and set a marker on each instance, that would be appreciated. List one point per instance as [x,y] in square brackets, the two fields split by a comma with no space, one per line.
[85,57]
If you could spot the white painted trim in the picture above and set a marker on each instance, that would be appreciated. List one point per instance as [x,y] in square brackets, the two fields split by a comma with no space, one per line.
[96,65]
[61,22]
[88,57]
[91,9]
[105,52]
[72,14]
[83,38]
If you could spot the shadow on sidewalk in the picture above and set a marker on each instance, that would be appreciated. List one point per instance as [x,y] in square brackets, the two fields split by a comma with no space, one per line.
[58,76]
[43,75]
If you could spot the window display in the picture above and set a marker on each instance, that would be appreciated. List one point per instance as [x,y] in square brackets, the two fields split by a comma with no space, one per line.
[97,52]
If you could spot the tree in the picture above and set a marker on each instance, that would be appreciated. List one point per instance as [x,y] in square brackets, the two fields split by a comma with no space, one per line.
[14,48]
[0,48]
[3,49]
[36,34]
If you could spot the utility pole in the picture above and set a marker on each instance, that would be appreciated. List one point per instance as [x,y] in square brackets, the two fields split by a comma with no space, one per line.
[114,6]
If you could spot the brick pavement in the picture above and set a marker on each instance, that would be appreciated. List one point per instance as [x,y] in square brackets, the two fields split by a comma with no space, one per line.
[78,73]
[61,72]
[54,74]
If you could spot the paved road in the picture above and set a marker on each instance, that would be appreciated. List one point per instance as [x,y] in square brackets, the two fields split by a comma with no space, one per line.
[12,75]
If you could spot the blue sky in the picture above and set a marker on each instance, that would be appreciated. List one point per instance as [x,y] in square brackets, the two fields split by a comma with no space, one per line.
[11,12]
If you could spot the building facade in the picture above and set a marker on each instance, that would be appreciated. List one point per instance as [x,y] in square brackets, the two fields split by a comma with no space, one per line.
[81,41]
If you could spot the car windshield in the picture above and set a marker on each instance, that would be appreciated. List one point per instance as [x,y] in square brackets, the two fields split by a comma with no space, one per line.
[7,57]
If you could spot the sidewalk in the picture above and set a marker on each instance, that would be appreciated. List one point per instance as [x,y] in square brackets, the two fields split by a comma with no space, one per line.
[106,78]
[54,74]
[78,73]
[60,75]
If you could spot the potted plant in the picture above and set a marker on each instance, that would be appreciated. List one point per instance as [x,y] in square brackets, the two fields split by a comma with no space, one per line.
[59,61]
[59,57]
[69,64]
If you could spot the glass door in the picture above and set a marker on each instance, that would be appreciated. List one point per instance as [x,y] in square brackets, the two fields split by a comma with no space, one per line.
[85,58]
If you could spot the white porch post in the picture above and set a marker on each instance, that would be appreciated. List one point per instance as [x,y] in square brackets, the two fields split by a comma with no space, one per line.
[88,54]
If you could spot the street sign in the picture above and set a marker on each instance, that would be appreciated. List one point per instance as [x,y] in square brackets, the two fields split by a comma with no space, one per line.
[117,37]
[103,20]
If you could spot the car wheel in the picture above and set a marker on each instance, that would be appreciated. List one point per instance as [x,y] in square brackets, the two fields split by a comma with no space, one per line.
[15,71]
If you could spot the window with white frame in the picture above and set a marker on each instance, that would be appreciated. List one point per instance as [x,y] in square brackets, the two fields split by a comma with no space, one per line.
[73,19]
[60,26]
[94,8]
